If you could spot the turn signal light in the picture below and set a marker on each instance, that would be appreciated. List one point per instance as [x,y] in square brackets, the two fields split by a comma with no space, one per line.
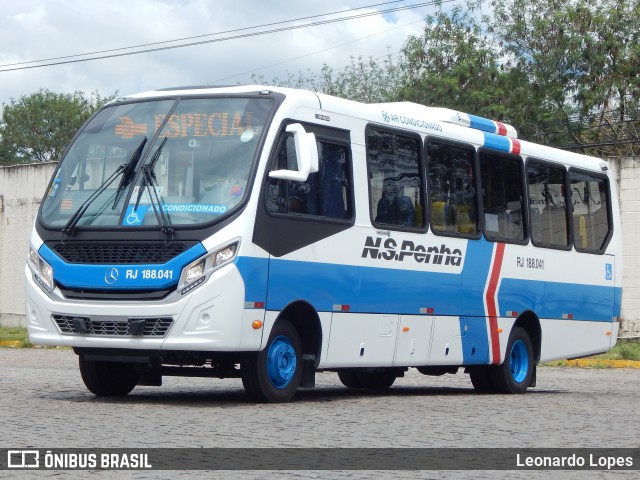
[257,324]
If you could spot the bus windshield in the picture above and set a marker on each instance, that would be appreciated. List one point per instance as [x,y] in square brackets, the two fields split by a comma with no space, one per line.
[197,165]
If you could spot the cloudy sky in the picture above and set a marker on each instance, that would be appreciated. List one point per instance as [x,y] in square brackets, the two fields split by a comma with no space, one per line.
[59,31]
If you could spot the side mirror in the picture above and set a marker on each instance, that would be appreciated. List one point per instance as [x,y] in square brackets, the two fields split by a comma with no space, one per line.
[306,153]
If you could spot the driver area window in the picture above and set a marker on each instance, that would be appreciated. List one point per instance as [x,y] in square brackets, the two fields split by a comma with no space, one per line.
[326,193]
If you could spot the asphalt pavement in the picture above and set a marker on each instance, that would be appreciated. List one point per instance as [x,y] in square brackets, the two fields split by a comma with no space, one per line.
[45,405]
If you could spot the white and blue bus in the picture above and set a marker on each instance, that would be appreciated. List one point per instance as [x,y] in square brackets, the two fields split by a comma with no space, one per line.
[268,234]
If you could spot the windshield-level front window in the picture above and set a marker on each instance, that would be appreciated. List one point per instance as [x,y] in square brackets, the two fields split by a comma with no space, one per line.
[118,172]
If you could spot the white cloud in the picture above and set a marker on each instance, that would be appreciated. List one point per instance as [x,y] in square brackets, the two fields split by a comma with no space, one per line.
[42,29]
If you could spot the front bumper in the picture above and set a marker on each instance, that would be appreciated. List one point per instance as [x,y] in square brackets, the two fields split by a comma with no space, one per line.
[210,318]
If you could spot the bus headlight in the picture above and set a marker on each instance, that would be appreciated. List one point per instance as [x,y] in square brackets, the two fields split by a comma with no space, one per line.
[196,272]
[43,272]
[225,255]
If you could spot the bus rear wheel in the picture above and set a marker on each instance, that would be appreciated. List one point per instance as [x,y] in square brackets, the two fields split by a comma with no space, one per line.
[273,374]
[515,374]
[108,379]
[376,380]
[481,378]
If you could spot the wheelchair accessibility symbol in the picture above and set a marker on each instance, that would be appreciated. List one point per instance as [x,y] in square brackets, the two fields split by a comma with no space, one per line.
[134,217]
[609,271]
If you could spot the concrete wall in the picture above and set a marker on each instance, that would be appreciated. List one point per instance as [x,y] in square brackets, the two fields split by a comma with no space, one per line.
[627,172]
[21,189]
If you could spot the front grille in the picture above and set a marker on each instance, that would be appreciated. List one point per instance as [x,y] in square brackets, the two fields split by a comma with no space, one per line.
[146,327]
[118,295]
[114,254]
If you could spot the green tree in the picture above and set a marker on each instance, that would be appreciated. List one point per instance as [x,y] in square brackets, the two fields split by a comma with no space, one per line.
[581,58]
[452,64]
[7,155]
[37,127]
[563,72]
[364,80]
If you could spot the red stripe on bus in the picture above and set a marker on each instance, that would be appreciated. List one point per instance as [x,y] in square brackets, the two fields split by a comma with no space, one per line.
[515,146]
[491,303]
[502,130]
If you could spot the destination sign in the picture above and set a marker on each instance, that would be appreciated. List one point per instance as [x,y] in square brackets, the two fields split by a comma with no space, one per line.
[189,125]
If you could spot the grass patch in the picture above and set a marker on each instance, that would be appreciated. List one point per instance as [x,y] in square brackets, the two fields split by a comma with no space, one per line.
[14,337]
[622,355]
[624,350]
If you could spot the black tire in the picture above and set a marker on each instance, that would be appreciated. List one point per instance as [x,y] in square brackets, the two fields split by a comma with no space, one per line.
[515,374]
[108,379]
[481,378]
[349,379]
[375,380]
[273,374]
[437,371]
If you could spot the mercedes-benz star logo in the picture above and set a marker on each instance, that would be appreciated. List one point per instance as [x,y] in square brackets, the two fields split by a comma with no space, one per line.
[111,276]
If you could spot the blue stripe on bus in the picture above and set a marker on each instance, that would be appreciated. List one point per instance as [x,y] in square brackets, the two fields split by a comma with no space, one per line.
[407,292]
[477,264]
[367,289]
[255,273]
[126,277]
[484,124]
[617,303]
[497,142]
[554,299]
[374,289]
[475,340]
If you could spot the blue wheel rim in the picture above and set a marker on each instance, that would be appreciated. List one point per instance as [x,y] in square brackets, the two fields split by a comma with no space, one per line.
[519,361]
[281,362]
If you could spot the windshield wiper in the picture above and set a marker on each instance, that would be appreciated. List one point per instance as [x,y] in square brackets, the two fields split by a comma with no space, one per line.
[157,202]
[127,168]
[130,168]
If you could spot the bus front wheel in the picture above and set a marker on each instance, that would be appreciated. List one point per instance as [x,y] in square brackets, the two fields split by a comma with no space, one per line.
[273,374]
[108,379]
[515,374]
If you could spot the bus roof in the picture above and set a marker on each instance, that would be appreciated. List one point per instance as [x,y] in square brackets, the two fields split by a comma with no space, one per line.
[494,134]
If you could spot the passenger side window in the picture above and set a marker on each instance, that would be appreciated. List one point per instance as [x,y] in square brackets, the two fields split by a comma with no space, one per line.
[326,193]
[502,197]
[547,205]
[395,181]
[591,219]
[452,189]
